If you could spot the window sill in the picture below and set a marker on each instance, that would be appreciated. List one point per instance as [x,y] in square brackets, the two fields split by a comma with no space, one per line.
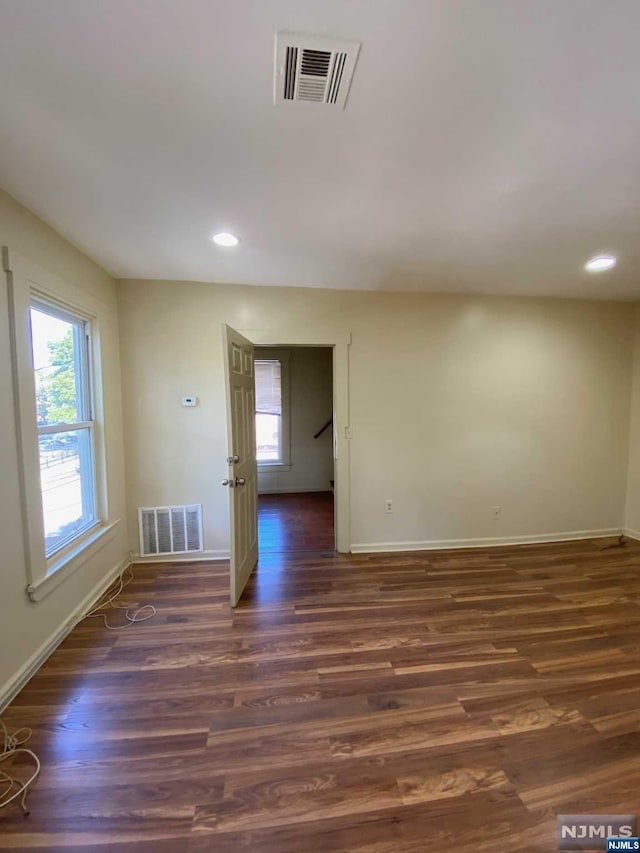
[72,560]
[266,467]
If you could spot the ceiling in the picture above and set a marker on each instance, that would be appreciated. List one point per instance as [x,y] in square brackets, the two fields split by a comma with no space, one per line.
[486,146]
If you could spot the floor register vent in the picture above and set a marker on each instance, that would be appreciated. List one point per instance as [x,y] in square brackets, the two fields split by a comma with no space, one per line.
[170,529]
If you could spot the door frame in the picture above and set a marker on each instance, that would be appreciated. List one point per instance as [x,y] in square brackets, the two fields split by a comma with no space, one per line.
[340,344]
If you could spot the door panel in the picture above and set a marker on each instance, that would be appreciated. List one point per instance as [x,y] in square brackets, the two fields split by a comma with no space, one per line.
[243,474]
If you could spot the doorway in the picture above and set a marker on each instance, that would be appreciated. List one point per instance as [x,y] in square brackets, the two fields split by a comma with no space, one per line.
[242,479]
[295,448]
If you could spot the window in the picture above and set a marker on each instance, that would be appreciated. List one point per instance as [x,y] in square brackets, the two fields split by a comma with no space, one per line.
[272,415]
[269,411]
[60,349]
[56,335]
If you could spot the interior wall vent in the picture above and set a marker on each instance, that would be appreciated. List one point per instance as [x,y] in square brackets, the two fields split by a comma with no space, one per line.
[310,68]
[170,529]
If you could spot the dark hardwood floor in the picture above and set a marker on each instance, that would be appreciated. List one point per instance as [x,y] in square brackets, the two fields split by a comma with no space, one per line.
[296,522]
[394,703]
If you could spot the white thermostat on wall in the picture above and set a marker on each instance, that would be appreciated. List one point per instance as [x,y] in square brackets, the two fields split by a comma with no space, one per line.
[189,401]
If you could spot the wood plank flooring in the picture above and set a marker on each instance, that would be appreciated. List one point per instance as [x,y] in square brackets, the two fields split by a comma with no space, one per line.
[403,702]
[296,522]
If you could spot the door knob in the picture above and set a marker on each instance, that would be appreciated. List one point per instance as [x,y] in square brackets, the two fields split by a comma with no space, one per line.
[232,459]
[239,481]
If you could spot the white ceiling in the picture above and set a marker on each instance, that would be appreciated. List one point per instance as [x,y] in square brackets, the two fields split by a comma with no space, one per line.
[487,145]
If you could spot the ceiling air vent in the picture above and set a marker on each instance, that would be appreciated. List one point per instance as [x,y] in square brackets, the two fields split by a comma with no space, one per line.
[309,68]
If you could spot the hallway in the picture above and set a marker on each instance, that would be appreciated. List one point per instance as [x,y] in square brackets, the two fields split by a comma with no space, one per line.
[296,522]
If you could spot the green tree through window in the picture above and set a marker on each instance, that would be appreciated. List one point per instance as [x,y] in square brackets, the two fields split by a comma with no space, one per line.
[57,393]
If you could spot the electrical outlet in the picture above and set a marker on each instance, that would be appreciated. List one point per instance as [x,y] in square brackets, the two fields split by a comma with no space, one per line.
[388,506]
[497,513]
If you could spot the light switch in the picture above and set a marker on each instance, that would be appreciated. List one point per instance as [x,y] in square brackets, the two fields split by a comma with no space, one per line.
[189,401]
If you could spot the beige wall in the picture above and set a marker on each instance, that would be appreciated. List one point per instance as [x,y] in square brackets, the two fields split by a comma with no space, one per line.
[457,404]
[25,626]
[310,407]
[632,516]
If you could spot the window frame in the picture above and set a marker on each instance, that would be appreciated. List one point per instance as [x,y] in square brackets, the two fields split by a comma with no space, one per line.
[85,405]
[282,356]
[27,282]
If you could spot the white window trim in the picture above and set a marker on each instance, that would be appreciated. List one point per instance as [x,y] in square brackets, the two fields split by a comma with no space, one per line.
[283,356]
[25,282]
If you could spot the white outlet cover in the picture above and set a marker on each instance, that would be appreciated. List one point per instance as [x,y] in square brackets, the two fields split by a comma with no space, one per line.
[189,401]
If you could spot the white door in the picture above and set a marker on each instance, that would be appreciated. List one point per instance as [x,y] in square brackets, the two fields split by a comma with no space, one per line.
[242,481]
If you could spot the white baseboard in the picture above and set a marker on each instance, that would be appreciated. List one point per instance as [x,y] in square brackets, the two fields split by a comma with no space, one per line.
[194,557]
[486,542]
[632,534]
[289,491]
[15,684]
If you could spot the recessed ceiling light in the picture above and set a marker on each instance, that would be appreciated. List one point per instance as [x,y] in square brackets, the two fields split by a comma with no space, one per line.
[225,239]
[600,263]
